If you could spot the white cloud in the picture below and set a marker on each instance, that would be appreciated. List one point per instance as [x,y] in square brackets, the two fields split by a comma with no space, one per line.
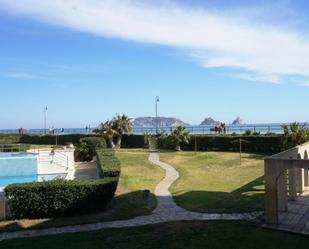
[275,79]
[214,39]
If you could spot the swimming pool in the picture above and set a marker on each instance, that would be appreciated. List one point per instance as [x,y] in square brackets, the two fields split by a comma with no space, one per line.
[4,181]
[22,167]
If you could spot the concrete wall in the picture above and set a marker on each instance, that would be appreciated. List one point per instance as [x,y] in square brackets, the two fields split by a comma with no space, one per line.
[286,176]
[69,153]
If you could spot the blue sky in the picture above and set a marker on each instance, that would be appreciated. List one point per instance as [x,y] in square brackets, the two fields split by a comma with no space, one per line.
[87,60]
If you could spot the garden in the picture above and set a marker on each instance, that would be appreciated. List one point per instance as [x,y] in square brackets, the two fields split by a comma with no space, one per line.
[214,177]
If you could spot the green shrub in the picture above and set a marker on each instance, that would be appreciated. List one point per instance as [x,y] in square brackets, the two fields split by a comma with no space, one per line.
[133,141]
[60,197]
[248,132]
[51,139]
[106,152]
[83,153]
[9,138]
[166,142]
[260,143]
[86,149]
[14,147]
[109,164]
[94,143]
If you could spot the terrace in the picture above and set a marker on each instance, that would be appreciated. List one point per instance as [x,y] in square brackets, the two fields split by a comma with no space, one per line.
[287,190]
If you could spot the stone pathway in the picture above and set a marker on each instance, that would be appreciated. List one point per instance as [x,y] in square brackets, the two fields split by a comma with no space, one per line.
[86,171]
[166,210]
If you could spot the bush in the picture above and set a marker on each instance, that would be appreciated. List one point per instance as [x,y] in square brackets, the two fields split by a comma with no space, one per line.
[248,132]
[86,149]
[94,143]
[133,141]
[261,143]
[166,142]
[82,153]
[109,164]
[9,138]
[51,139]
[59,197]
[106,152]
[14,147]
[257,143]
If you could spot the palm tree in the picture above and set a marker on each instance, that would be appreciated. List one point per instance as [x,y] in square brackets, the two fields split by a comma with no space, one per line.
[180,136]
[294,134]
[107,131]
[121,124]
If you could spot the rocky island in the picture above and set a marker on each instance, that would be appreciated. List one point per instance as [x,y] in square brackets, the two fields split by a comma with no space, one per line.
[162,121]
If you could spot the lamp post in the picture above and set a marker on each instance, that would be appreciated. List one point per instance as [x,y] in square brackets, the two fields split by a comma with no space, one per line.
[45,111]
[157,100]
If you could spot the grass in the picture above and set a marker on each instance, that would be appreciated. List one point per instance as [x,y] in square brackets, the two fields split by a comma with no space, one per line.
[177,235]
[137,174]
[216,182]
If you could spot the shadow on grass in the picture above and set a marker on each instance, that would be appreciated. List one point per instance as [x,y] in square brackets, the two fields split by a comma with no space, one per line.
[129,205]
[257,156]
[247,198]
[124,206]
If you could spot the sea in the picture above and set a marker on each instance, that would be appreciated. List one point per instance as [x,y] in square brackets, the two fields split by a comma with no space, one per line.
[266,128]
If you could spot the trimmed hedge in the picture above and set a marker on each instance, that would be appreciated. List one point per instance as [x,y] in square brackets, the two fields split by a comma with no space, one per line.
[86,149]
[109,164]
[106,152]
[14,147]
[9,138]
[259,143]
[133,141]
[51,139]
[94,143]
[61,197]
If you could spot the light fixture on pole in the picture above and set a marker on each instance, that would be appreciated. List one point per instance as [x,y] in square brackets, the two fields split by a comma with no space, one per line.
[157,100]
[45,110]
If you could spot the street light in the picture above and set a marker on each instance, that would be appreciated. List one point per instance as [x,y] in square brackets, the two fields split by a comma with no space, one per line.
[157,100]
[45,110]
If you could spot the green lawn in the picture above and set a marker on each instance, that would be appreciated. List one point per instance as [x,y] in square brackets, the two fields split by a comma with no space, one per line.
[137,174]
[216,182]
[177,235]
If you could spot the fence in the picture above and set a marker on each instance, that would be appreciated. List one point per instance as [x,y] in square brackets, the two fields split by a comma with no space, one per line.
[14,147]
[194,129]
[208,129]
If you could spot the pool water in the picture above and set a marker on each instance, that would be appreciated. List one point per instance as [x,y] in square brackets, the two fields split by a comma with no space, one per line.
[18,164]
[21,167]
[16,155]
[4,181]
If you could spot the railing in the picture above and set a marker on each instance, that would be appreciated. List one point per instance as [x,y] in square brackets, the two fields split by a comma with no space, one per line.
[209,129]
[14,147]
[61,159]
[193,129]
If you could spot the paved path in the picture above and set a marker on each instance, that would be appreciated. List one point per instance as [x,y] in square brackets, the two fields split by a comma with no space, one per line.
[166,210]
[86,170]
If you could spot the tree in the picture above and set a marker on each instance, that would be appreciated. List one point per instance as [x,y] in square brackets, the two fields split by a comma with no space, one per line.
[179,135]
[121,124]
[107,131]
[294,134]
